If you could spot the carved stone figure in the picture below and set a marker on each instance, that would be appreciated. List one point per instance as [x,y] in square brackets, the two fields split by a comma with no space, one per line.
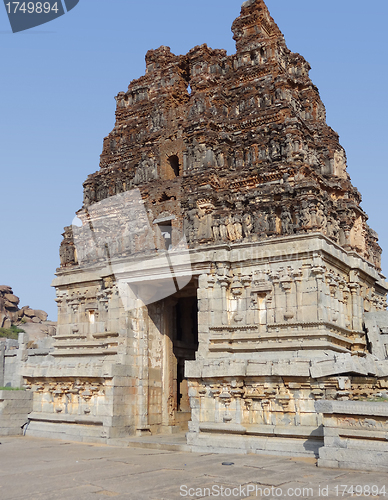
[247,225]
[286,222]
[321,218]
[223,230]
[238,228]
[230,228]
[271,222]
[305,216]
[216,229]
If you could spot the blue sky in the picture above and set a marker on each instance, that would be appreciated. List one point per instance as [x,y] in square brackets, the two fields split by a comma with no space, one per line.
[58,83]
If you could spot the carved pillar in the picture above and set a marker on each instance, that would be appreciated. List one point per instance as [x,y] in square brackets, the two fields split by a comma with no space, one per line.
[276,306]
[224,282]
[210,296]
[357,300]
[347,307]
[246,282]
[319,273]
[140,333]
[297,274]
[333,287]
[286,283]
[341,304]
[269,302]
[356,306]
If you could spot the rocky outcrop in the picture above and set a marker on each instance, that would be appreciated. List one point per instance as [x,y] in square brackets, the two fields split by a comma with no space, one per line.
[10,314]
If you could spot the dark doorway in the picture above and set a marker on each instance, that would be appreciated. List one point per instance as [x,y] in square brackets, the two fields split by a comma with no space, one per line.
[174,162]
[185,345]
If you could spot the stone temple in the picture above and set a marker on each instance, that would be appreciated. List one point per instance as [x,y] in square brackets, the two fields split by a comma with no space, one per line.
[221,277]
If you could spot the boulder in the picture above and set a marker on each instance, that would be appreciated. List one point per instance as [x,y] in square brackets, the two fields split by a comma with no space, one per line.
[10,312]
[7,323]
[12,298]
[29,312]
[13,316]
[10,305]
[42,315]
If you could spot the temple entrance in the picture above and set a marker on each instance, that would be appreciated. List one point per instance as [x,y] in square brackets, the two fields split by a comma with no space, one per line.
[182,334]
[172,340]
[185,345]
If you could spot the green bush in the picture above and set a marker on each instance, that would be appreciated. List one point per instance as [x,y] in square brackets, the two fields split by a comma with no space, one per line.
[11,333]
[12,389]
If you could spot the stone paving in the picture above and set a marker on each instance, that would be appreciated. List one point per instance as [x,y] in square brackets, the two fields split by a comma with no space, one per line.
[36,469]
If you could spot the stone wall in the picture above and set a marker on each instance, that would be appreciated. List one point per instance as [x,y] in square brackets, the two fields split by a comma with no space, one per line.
[15,407]
[280,326]
[355,435]
[16,354]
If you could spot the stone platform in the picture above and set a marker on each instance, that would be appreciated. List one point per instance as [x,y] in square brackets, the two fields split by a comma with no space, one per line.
[355,435]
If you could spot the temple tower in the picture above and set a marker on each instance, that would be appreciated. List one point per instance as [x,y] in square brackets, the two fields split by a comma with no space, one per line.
[221,266]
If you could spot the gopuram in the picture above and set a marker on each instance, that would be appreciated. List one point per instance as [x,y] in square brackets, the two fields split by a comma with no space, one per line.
[221,277]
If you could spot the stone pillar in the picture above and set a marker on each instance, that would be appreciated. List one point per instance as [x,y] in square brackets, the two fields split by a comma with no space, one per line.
[140,333]
[246,281]
[334,314]
[356,306]
[21,358]
[347,307]
[2,363]
[318,272]
[224,287]
[269,304]
[298,278]
[211,294]
[276,304]
[341,308]
[289,311]
[208,293]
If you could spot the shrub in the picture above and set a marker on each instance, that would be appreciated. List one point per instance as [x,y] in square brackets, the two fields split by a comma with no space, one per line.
[11,389]
[11,333]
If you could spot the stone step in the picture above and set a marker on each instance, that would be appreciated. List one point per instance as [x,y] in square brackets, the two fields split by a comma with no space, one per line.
[168,442]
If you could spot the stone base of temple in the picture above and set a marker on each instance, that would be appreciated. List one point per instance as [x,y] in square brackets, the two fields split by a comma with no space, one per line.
[270,415]
[45,426]
[238,357]
[355,435]
[290,441]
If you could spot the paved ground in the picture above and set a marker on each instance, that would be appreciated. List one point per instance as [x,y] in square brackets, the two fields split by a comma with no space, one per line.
[33,468]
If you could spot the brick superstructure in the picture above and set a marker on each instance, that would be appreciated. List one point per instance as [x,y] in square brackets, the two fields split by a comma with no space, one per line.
[236,146]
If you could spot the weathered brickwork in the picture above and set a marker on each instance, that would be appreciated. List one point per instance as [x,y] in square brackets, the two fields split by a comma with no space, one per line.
[238,145]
